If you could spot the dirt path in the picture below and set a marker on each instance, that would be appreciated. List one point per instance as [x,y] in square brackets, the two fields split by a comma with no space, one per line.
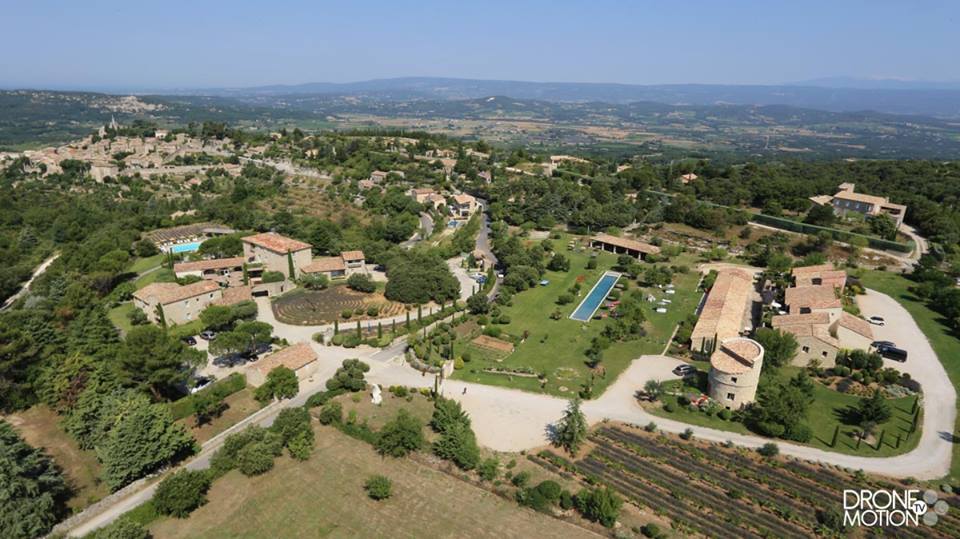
[26,286]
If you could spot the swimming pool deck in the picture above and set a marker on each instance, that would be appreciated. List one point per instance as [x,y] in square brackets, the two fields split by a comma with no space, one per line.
[595,297]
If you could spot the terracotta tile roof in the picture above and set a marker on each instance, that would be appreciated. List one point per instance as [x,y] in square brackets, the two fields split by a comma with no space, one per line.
[820,317]
[813,297]
[203,265]
[292,357]
[235,294]
[627,243]
[350,256]
[276,243]
[828,275]
[736,356]
[816,325]
[855,324]
[166,293]
[725,307]
[860,197]
[464,199]
[325,264]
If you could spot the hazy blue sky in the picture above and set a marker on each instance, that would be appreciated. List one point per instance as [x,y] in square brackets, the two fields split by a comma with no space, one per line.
[89,43]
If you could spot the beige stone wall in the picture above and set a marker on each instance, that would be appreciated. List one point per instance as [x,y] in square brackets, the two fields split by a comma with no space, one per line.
[852,340]
[735,390]
[813,348]
[188,310]
[277,262]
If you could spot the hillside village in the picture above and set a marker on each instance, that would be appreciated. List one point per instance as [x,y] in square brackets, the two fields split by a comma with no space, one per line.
[378,274]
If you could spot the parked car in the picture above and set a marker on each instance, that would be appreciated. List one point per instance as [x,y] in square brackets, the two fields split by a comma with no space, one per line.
[189,341]
[229,360]
[201,382]
[877,320]
[896,354]
[685,370]
[880,345]
[208,335]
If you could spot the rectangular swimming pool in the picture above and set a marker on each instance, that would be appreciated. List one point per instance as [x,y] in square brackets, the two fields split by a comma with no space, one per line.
[597,294]
[185,247]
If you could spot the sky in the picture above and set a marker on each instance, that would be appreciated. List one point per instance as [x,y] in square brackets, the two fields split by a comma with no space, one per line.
[91,44]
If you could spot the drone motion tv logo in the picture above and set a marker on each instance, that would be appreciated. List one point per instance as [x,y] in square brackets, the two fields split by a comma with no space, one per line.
[894,508]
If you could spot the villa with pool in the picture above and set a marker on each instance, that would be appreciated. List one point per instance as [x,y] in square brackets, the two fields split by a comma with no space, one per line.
[185,238]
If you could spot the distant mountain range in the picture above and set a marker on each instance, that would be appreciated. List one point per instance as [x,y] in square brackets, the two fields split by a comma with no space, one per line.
[940,100]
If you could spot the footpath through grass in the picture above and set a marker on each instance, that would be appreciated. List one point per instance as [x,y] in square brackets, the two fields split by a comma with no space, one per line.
[945,342]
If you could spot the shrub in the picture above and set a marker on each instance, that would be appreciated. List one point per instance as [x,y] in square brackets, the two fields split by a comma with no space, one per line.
[651,530]
[373,310]
[687,434]
[301,445]
[521,479]
[599,505]
[122,528]
[650,427]
[281,383]
[255,459]
[290,422]
[400,435]
[550,490]
[331,413]
[668,407]
[349,376]
[182,492]
[769,449]
[489,469]
[346,314]
[378,487]
[361,282]
[725,414]
[566,500]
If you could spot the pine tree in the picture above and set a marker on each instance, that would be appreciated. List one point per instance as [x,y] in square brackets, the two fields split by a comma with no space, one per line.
[571,430]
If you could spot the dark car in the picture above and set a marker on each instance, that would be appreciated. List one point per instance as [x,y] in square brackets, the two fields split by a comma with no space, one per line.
[208,335]
[685,370]
[882,344]
[189,341]
[893,353]
[259,348]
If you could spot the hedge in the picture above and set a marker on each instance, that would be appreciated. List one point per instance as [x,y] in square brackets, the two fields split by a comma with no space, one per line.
[836,234]
[221,388]
[804,228]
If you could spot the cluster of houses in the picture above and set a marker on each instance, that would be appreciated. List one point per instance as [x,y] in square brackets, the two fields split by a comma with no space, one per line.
[226,281]
[814,315]
[460,206]
[147,156]
[817,319]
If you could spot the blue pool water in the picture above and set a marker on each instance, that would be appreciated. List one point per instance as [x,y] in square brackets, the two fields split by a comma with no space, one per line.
[596,296]
[185,247]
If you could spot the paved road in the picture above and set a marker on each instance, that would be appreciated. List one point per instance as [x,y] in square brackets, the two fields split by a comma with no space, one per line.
[38,271]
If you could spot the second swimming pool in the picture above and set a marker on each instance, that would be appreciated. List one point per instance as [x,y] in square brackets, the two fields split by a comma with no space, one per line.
[592,302]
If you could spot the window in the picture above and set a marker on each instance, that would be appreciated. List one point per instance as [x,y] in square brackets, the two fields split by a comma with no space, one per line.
[730,396]
[734,379]
[805,349]
[824,353]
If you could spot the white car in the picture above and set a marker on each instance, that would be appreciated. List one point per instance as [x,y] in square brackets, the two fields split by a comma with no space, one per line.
[877,320]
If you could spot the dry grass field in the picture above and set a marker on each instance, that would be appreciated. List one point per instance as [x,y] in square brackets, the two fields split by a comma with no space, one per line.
[324,497]
[40,427]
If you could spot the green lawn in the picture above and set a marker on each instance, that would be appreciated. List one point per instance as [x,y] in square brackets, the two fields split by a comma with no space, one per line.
[826,412]
[141,265]
[556,347]
[162,275]
[120,316]
[944,341]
